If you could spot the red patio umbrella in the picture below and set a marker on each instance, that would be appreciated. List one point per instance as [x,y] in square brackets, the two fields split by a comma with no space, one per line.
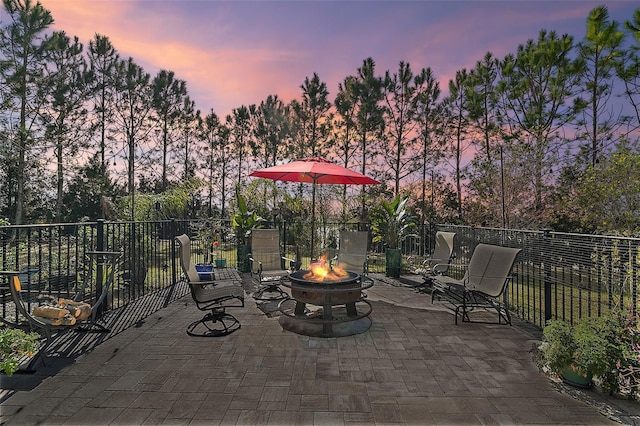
[316,171]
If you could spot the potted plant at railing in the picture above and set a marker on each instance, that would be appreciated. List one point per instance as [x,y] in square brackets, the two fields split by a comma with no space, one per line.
[391,223]
[243,221]
[557,352]
[599,349]
[220,261]
[208,232]
[593,348]
[628,368]
[15,344]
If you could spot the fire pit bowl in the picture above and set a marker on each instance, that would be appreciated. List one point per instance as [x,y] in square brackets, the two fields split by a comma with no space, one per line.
[344,290]
[333,320]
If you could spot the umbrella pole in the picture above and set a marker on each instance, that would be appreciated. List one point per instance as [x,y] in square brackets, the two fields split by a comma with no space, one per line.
[313,217]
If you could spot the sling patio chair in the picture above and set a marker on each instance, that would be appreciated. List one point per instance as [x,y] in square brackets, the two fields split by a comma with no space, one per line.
[438,263]
[352,254]
[483,285]
[213,296]
[267,265]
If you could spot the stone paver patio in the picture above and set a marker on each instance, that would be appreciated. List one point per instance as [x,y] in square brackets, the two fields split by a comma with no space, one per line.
[413,366]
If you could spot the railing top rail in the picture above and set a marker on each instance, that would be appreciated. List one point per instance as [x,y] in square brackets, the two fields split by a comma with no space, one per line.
[47,225]
[533,231]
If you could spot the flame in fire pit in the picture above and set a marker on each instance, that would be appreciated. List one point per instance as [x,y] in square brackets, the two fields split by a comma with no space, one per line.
[320,271]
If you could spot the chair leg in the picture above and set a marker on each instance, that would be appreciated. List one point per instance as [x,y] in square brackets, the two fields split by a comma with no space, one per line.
[426,286]
[276,293]
[41,355]
[92,327]
[216,323]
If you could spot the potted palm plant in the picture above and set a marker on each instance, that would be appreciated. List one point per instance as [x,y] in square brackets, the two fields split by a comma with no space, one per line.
[391,223]
[243,221]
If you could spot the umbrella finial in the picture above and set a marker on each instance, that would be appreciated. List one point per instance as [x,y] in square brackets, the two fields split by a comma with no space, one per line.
[316,160]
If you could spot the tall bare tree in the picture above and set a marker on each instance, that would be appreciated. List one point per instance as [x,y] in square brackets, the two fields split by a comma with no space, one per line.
[23,43]
[457,109]
[133,102]
[240,124]
[369,116]
[168,100]
[400,92]
[600,50]
[536,84]
[427,111]
[103,59]
[345,127]
[64,115]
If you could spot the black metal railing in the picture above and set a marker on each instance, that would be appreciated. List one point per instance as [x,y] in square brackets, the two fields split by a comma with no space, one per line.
[557,275]
[561,275]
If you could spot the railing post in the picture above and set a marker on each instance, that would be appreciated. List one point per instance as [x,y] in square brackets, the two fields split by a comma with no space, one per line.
[546,259]
[99,265]
[172,232]
[634,261]
[174,269]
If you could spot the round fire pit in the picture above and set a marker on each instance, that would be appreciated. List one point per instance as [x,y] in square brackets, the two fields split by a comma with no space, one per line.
[344,310]
[344,290]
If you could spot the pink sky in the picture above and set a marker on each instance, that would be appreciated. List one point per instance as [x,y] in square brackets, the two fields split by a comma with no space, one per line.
[234,53]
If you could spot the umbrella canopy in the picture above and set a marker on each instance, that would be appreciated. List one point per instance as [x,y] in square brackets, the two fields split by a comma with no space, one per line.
[316,171]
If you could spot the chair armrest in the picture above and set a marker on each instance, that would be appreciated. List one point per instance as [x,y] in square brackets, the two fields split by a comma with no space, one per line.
[437,265]
[205,282]
[252,260]
[294,265]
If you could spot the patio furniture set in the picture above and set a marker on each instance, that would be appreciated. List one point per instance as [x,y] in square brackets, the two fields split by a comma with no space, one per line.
[330,302]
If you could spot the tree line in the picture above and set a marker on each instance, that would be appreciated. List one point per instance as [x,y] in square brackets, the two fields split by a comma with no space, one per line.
[546,136]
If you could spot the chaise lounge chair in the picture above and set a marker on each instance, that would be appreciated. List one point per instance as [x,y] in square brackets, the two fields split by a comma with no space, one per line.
[483,285]
[438,263]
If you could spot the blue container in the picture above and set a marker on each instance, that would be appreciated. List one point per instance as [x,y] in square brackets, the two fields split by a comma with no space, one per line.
[205,272]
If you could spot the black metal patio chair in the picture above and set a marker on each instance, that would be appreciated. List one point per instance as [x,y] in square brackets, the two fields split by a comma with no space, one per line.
[213,296]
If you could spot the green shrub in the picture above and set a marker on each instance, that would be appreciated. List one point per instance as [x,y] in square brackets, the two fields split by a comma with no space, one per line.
[558,347]
[14,345]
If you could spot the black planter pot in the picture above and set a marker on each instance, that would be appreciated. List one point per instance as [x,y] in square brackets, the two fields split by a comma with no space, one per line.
[393,262]
[571,377]
[243,257]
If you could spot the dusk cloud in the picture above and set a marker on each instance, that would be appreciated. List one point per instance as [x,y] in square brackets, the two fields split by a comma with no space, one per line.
[238,53]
